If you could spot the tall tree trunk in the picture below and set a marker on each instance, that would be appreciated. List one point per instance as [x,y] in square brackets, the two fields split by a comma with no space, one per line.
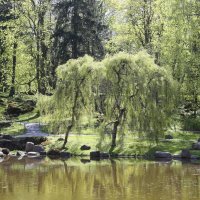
[74,25]
[14,58]
[115,128]
[38,65]
[72,119]
[67,135]
[114,134]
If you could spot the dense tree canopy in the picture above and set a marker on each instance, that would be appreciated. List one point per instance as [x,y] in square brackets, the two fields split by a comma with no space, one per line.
[133,90]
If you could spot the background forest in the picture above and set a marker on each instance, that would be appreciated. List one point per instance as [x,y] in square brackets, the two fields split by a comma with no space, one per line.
[160,41]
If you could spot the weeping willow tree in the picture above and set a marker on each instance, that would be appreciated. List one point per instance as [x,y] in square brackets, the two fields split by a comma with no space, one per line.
[139,95]
[74,94]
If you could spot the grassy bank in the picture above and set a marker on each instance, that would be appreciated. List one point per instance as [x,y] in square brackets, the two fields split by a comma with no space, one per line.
[129,146]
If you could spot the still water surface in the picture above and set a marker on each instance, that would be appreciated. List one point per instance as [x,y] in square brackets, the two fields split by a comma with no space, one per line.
[73,179]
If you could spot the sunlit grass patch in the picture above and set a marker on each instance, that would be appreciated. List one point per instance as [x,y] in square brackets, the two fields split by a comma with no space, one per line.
[14,129]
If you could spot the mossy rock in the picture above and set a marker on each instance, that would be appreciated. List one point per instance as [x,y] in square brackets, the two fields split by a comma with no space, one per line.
[5,124]
[16,108]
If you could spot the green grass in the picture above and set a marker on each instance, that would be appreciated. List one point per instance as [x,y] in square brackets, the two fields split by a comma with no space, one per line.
[14,129]
[130,146]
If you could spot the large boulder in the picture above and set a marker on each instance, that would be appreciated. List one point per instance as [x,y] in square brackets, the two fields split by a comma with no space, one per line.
[185,153]
[29,147]
[7,137]
[161,154]
[12,145]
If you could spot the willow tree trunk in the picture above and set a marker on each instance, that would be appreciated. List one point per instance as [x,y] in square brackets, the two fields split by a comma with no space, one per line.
[115,128]
[73,116]
[67,135]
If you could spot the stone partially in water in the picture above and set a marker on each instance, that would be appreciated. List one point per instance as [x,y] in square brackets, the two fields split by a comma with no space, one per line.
[38,148]
[160,154]
[29,147]
[53,152]
[95,155]
[185,153]
[105,155]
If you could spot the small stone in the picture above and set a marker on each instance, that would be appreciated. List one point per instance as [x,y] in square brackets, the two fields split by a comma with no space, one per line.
[85,147]
[5,151]
[29,146]
[168,137]
[60,139]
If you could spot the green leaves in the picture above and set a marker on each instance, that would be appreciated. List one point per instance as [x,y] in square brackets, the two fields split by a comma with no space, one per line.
[130,91]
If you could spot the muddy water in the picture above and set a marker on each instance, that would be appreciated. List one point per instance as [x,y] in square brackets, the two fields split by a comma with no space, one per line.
[75,179]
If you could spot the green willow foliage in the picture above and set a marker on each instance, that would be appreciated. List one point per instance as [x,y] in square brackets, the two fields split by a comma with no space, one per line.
[140,94]
[129,91]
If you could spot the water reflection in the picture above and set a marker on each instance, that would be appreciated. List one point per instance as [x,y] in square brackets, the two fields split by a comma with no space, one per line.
[75,179]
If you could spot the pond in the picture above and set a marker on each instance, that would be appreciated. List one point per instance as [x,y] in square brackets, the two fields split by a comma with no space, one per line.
[76,179]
